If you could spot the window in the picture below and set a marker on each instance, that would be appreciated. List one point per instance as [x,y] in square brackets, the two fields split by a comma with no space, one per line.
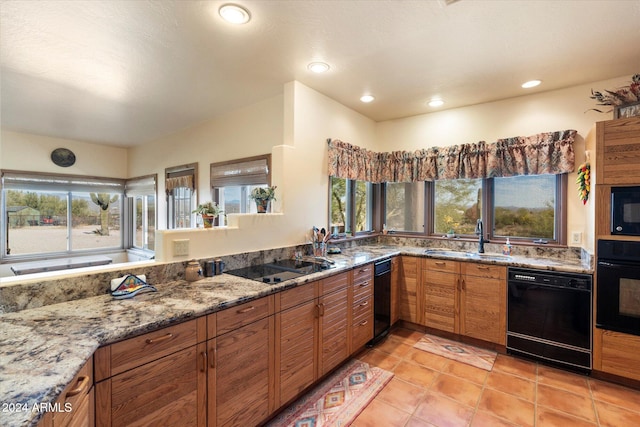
[351,206]
[232,182]
[521,207]
[405,206]
[457,205]
[180,186]
[56,214]
[141,194]
[525,206]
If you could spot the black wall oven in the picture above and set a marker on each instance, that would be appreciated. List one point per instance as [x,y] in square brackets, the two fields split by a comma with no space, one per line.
[550,317]
[618,287]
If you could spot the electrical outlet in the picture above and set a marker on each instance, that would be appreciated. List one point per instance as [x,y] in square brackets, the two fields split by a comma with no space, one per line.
[181,247]
[576,237]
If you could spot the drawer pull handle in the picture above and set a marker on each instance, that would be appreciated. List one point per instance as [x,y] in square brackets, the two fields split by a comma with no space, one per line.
[363,284]
[83,381]
[203,356]
[246,310]
[162,338]
[364,304]
[482,268]
[212,359]
[321,309]
[440,263]
[364,322]
[363,270]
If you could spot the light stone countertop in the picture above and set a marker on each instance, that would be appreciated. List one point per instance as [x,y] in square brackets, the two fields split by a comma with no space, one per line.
[42,349]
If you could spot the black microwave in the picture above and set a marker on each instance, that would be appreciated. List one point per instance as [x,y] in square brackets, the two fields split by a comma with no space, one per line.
[625,211]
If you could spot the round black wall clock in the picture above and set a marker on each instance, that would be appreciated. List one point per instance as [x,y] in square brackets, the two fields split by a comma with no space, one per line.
[63,157]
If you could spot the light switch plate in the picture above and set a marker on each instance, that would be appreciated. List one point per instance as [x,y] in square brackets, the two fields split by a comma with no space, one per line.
[181,247]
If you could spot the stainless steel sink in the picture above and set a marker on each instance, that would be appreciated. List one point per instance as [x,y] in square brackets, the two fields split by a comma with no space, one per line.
[461,254]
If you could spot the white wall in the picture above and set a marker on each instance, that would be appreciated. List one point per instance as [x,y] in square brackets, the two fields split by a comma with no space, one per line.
[29,152]
[299,170]
[522,116]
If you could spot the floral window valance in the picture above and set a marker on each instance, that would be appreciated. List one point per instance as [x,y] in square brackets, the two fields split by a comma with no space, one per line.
[544,153]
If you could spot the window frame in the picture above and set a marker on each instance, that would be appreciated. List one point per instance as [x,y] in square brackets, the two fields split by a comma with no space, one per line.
[373,214]
[487,214]
[130,207]
[68,185]
[241,180]
[188,169]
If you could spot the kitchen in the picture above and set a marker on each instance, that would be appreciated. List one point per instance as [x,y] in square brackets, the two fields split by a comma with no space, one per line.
[292,139]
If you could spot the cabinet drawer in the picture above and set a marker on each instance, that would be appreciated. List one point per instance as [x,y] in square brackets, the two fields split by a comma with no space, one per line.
[361,333]
[362,289]
[243,314]
[137,351]
[295,296]
[334,283]
[77,396]
[362,309]
[444,265]
[483,270]
[363,273]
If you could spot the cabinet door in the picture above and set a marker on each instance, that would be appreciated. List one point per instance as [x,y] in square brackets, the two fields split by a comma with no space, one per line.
[440,308]
[242,360]
[168,392]
[78,399]
[408,297]
[620,354]
[483,302]
[395,289]
[334,308]
[296,355]
[618,151]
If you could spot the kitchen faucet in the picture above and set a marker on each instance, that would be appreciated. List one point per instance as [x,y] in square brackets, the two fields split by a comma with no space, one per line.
[480,232]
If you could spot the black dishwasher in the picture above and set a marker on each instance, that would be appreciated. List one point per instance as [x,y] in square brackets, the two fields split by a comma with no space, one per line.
[381,300]
[550,316]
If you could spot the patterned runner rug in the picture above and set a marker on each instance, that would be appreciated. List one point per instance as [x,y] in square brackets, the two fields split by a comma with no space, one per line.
[474,356]
[336,401]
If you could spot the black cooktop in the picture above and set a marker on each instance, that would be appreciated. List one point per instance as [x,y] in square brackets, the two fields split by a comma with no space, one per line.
[279,271]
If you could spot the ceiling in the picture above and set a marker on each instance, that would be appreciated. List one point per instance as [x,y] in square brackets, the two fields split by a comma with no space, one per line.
[128,72]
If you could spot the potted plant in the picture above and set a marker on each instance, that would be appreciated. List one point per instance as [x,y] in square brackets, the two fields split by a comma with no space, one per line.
[209,211]
[263,197]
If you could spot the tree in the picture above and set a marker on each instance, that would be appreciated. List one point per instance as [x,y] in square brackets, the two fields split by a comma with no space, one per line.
[103,200]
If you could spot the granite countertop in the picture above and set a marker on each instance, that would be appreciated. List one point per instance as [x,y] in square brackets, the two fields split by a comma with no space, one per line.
[42,349]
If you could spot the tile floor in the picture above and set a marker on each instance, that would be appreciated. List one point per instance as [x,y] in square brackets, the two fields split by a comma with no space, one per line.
[430,390]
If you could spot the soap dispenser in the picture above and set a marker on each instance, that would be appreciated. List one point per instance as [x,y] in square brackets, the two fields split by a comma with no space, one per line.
[506,249]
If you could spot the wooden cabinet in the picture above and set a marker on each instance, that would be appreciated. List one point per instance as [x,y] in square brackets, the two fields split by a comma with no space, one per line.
[483,302]
[465,298]
[155,379]
[361,307]
[240,356]
[618,151]
[410,298]
[333,325]
[395,289]
[296,341]
[620,354]
[440,279]
[75,406]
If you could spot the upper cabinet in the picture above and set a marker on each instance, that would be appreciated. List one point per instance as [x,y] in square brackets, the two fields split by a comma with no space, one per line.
[618,152]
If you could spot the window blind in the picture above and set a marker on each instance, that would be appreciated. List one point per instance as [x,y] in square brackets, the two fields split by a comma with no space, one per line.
[141,186]
[245,172]
[34,181]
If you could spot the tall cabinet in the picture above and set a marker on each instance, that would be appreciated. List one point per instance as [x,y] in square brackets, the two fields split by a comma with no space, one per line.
[617,164]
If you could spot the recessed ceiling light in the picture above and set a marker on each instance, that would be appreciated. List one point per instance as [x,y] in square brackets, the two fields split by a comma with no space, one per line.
[531,83]
[436,103]
[367,98]
[318,67]
[234,14]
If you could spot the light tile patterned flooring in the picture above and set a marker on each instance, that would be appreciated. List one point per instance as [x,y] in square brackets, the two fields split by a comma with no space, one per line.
[430,390]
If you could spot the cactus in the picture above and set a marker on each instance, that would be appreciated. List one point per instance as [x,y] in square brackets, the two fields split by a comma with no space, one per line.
[103,200]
